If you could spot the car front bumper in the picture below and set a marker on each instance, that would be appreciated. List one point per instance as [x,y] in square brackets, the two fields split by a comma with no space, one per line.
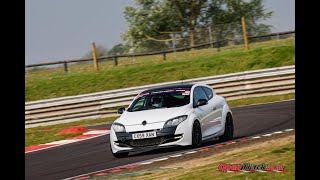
[166,137]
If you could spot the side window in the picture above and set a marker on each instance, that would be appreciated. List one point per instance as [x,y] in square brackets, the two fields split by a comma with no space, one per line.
[208,92]
[198,93]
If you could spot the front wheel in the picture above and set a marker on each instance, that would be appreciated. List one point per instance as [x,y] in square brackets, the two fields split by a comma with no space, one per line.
[228,131]
[196,134]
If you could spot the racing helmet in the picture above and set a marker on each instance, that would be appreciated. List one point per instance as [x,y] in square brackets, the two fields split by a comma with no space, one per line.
[157,101]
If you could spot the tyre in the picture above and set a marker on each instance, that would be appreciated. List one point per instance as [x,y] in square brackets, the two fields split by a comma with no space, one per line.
[196,134]
[228,131]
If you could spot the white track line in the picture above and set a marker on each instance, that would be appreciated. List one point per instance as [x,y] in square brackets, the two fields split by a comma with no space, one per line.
[278,132]
[97,132]
[256,137]
[149,162]
[161,159]
[190,152]
[177,155]
[62,142]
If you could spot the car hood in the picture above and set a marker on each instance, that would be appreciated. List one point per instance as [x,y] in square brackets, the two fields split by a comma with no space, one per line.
[152,115]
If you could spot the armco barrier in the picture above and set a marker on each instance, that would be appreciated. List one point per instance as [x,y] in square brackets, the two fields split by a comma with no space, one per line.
[232,86]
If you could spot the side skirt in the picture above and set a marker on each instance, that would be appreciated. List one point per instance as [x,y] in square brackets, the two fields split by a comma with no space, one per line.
[212,136]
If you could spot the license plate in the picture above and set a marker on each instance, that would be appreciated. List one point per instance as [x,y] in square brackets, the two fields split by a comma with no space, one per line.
[144,135]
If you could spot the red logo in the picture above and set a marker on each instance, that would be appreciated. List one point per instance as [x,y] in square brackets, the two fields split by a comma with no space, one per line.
[246,167]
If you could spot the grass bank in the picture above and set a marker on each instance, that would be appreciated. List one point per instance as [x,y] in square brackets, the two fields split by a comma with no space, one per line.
[52,83]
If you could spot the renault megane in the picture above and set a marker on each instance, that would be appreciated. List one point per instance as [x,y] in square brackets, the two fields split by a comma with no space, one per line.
[179,115]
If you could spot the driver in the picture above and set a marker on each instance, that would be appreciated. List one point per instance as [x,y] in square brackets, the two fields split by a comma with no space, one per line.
[157,101]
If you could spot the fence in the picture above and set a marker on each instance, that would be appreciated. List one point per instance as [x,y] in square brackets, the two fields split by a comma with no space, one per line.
[232,86]
[200,43]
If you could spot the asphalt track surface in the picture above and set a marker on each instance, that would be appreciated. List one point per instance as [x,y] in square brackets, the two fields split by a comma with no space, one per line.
[94,154]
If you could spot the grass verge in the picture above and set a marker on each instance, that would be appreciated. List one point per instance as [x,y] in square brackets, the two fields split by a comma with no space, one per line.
[44,84]
[264,99]
[275,150]
[45,134]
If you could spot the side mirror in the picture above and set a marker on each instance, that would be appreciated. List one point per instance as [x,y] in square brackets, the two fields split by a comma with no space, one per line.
[121,110]
[201,102]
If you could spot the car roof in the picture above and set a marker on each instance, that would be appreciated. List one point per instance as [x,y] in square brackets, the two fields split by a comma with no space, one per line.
[169,87]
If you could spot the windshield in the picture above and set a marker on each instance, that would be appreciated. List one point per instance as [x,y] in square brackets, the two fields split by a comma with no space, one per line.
[161,99]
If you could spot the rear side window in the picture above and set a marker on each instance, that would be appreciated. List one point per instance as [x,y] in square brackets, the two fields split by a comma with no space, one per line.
[208,92]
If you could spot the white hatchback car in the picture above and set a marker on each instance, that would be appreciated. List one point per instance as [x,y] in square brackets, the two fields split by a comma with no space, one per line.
[178,115]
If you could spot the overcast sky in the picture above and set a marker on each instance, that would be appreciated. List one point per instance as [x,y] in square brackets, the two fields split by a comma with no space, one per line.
[59,29]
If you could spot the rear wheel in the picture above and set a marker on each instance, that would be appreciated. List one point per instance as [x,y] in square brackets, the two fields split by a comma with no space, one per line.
[196,134]
[228,131]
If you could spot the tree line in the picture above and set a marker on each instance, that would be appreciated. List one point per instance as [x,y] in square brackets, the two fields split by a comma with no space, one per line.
[153,24]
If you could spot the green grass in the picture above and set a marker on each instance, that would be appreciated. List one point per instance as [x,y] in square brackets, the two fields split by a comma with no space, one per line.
[286,158]
[81,79]
[266,155]
[281,150]
[41,137]
[264,99]
[45,134]
[277,152]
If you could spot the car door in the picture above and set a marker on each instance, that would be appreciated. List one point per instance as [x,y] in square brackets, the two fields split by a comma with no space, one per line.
[215,104]
[203,112]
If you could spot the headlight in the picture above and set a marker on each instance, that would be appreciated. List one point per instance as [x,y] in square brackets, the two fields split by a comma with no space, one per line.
[117,127]
[175,121]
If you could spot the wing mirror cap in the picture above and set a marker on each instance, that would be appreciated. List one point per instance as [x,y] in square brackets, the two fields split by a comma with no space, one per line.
[201,102]
[121,110]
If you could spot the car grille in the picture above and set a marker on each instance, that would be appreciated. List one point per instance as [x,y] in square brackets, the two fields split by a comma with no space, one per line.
[146,142]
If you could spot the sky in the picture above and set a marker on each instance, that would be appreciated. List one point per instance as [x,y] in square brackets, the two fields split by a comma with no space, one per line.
[59,30]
